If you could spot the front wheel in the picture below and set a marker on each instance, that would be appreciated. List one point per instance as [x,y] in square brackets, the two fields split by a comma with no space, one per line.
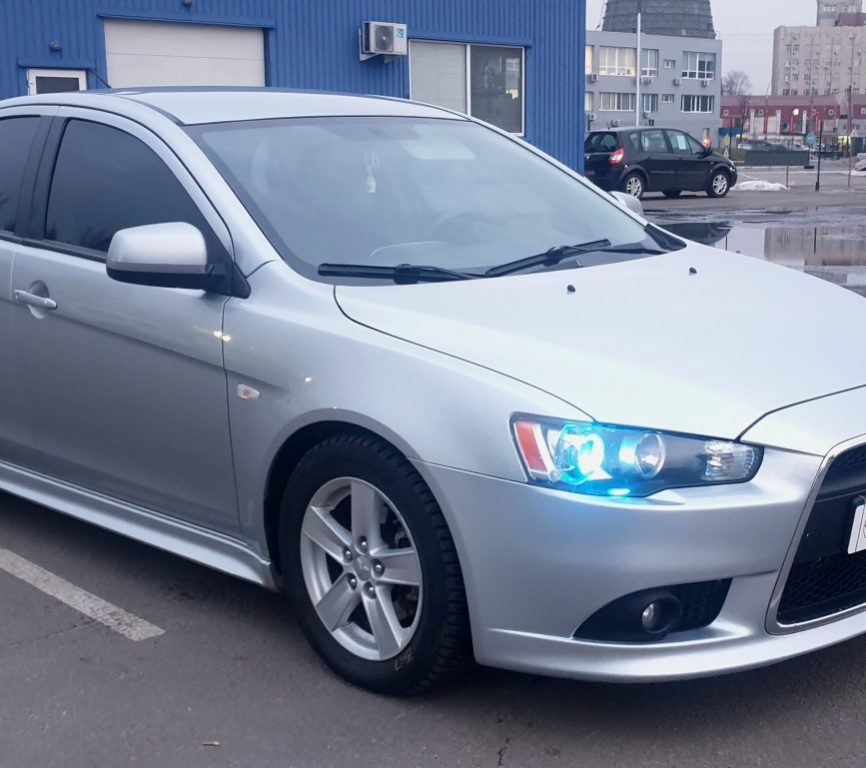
[371,568]
[719,184]
[633,185]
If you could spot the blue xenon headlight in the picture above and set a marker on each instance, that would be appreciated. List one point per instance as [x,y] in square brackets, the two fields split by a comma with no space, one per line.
[604,460]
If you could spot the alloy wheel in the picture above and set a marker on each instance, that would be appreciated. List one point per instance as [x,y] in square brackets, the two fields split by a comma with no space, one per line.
[720,184]
[634,186]
[361,568]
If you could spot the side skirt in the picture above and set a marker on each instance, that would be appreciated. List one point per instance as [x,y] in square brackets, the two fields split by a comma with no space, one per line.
[214,550]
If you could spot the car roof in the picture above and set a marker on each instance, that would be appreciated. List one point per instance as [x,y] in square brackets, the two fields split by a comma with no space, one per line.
[192,106]
[630,128]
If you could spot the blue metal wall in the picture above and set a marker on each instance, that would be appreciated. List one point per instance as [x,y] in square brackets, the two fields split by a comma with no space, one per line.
[314,44]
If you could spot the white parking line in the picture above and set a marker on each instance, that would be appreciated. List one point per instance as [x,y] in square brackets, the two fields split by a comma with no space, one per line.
[116,619]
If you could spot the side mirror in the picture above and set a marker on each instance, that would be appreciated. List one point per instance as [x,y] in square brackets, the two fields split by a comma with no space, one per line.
[628,201]
[171,255]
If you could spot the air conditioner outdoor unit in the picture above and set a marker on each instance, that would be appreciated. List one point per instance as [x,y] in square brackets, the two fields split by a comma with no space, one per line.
[382,37]
[726,112]
[677,81]
[591,117]
[705,83]
[593,78]
[831,112]
[614,123]
[646,114]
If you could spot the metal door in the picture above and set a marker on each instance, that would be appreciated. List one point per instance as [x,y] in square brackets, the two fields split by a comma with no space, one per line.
[125,384]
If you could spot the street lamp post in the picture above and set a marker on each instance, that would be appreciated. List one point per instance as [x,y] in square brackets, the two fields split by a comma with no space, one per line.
[638,69]
[851,114]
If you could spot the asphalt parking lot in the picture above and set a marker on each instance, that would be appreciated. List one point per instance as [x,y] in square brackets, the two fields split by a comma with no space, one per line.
[231,682]
[183,666]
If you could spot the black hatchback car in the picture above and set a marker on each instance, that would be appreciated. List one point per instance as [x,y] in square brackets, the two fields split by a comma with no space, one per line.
[638,160]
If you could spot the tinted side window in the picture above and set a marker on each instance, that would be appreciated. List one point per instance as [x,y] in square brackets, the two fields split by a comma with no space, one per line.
[653,141]
[684,144]
[106,180]
[16,136]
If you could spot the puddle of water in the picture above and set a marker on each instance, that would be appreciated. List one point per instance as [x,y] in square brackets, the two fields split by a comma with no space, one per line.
[832,252]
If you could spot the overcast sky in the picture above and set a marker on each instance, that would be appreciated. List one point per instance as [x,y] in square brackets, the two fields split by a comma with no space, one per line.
[746,27]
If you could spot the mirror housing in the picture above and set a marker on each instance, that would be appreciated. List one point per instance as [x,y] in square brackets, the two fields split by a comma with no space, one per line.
[170,255]
[628,201]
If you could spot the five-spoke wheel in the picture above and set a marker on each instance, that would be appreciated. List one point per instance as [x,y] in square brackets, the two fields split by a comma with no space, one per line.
[371,568]
[361,568]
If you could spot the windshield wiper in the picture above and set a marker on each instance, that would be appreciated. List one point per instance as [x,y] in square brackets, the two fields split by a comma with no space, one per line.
[635,249]
[402,274]
[548,258]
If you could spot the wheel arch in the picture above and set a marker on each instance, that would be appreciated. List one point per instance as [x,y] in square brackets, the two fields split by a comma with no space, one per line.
[289,454]
[639,170]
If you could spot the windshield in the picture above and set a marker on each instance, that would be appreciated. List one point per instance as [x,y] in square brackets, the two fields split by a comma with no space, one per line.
[394,191]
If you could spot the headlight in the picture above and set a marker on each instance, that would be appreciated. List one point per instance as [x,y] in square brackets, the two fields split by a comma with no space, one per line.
[620,461]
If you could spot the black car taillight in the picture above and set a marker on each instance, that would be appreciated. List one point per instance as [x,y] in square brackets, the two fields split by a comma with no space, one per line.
[617,157]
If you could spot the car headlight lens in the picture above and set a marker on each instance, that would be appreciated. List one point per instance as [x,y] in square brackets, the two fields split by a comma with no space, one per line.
[606,460]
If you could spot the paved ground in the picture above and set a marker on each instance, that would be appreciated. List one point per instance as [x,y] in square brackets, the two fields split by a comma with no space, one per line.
[231,668]
[799,196]
[231,682]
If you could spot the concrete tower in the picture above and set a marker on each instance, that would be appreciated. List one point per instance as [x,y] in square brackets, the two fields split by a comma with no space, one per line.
[679,18]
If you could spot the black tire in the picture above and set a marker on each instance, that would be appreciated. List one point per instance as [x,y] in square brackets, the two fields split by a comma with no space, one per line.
[441,645]
[672,193]
[634,184]
[715,185]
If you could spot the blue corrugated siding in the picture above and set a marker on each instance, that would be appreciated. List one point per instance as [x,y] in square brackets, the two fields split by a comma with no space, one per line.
[314,44]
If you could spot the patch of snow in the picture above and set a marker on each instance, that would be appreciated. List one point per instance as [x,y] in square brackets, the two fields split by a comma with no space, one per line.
[758,185]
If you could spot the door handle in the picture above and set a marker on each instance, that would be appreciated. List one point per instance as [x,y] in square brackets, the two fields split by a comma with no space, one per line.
[32,300]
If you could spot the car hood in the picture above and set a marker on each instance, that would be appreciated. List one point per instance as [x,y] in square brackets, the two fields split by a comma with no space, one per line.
[698,341]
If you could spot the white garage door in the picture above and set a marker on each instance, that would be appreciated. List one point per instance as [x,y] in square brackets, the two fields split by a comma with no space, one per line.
[152,53]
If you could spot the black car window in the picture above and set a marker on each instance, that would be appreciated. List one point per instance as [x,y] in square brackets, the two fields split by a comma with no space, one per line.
[106,180]
[634,141]
[653,141]
[601,142]
[16,137]
[683,144]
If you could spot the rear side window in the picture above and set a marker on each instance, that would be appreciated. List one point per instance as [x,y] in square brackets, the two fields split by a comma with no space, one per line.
[653,141]
[16,137]
[106,180]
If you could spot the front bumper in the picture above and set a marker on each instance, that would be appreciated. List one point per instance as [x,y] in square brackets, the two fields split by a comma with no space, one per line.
[537,563]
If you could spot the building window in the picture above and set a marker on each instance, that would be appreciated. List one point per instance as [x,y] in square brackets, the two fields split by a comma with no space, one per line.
[649,102]
[55,80]
[667,98]
[670,63]
[616,61]
[649,62]
[588,56]
[699,66]
[493,90]
[588,101]
[702,104]
[617,102]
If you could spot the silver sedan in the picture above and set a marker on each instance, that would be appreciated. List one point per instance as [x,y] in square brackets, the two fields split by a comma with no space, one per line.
[449,397]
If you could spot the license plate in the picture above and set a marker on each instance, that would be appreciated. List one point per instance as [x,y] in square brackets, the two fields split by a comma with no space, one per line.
[857,539]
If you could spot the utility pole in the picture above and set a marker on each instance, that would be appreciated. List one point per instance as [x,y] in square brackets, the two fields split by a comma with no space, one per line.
[851,116]
[639,68]
[811,128]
